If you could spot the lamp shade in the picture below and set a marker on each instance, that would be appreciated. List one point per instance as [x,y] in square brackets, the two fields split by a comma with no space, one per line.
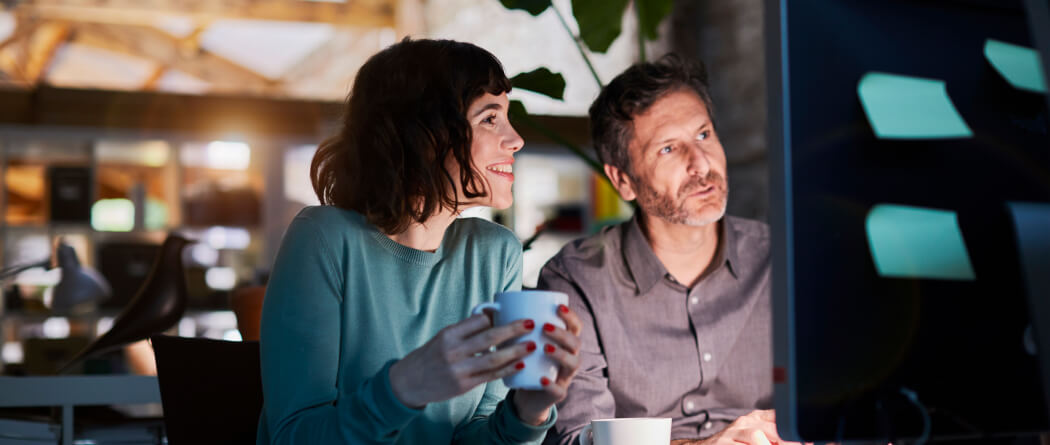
[79,285]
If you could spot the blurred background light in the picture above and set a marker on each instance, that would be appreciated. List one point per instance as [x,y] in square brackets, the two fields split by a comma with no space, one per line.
[227,237]
[113,215]
[220,278]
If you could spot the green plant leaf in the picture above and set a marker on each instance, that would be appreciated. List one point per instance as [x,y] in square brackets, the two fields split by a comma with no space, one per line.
[534,7]
[520,116]
[517,110]
[650,14]
[599,21]
[543,81]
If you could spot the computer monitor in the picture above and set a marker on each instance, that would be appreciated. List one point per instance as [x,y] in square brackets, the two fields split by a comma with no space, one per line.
[900,305]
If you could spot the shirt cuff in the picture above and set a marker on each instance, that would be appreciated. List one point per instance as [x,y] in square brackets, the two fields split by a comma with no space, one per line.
[517,428]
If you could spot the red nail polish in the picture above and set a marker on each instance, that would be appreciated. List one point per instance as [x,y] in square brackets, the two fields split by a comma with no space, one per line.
[563,309]
[545,381]
[549,349]
[530,346]
[529,324]
[519,366]
[548,327]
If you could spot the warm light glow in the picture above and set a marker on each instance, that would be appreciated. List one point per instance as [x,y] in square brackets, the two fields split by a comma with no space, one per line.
[220,278]
[147,153]
[113,215]
[220,155]
[228,155]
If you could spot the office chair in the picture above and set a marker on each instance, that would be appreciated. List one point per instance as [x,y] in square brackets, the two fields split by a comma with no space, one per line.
[211,390]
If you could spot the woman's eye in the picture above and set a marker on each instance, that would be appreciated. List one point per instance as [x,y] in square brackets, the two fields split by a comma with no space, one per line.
[665,150]
[490,120]
[703,135]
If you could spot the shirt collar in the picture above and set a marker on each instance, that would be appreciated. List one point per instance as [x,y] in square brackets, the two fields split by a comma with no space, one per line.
[646,269]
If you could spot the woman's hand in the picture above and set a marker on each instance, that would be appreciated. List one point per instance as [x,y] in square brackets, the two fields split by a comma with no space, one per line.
[534,406]
[449,365]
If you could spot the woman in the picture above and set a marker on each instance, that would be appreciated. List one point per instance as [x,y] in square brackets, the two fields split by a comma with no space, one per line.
[363,332]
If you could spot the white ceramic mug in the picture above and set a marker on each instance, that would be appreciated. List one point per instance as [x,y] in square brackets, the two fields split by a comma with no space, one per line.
[627,431]
[541,307]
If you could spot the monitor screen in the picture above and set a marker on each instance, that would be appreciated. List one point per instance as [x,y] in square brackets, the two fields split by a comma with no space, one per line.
[900,136]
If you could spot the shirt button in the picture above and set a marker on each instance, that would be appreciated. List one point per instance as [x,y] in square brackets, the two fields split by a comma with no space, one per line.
[708,425]
[707,356]
[694,300]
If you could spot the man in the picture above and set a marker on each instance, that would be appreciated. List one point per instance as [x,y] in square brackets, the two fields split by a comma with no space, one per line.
[675,303]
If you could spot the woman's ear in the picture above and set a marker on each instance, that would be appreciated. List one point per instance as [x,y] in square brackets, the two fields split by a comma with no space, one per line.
[621,181]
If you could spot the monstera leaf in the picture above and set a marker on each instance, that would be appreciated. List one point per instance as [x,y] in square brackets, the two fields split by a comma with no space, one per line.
[520,116]
[534,7]
[599,21]
[543,81]
[650,14]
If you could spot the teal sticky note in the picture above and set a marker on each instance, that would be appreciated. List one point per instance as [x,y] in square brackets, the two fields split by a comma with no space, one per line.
[1020,66]
[903,107]
[917,242]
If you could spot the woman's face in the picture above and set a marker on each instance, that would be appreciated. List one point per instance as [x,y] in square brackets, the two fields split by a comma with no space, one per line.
[493,147]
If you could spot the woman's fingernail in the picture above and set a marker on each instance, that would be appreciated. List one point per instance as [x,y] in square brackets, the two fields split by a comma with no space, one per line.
[563,309]
[529,324]
[545,381]
[548,327]
[549,349]
[520,366]
[530,346]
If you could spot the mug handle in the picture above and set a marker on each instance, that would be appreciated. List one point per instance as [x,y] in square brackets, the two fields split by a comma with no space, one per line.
[481,307]
[585,435]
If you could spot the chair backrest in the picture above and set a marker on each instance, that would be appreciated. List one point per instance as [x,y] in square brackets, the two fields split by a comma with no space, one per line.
[211,390]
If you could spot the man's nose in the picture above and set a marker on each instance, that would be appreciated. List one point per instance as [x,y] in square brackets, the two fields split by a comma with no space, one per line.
[699,164]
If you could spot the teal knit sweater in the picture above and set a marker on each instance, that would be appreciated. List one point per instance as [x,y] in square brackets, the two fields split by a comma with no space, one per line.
[345,301]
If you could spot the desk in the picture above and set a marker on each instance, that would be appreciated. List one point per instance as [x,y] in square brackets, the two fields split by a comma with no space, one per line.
[70,391]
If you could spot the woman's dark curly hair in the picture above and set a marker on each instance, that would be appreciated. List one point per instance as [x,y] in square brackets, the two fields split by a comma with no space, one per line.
[405,116]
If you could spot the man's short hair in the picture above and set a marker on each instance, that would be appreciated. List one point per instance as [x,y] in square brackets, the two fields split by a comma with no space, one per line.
[632,93]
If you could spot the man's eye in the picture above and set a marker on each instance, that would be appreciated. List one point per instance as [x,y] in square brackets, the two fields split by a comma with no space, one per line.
[703,135]
[665,150]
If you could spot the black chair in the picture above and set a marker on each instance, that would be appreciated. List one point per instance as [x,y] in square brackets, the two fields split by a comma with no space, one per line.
[211,390]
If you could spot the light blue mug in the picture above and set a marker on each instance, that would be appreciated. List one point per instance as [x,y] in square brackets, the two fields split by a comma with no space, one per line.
[540,306]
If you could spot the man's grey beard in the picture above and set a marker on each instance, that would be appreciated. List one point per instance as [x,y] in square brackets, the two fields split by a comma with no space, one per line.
[662,206]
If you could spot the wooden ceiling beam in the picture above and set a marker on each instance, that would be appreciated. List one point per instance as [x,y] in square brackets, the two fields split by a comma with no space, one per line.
[364,13]
[152,44]
[42,46]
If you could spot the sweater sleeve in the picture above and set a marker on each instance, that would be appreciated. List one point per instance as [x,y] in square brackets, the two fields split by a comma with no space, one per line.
[300,349]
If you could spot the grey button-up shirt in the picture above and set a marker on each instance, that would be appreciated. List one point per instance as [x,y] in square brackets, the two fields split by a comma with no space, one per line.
[653,347]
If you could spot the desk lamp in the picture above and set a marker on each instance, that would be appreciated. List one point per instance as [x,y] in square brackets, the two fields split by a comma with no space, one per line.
[78,286]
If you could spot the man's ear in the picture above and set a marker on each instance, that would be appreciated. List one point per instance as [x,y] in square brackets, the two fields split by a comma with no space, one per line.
[621,181]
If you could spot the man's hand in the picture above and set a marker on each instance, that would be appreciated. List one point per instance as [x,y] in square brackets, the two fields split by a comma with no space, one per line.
[755,428]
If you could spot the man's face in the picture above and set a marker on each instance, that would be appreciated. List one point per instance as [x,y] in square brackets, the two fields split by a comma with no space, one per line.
[678,166]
